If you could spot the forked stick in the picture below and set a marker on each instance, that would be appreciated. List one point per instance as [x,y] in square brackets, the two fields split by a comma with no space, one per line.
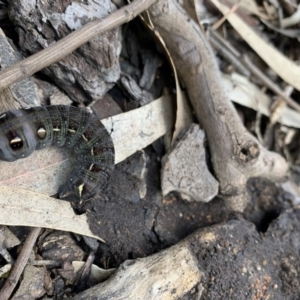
[236,154]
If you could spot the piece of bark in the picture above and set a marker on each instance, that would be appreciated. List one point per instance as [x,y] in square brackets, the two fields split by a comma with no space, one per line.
[185,170]
[226,261]
[151,63]
[59,245]
[236,154]
[134,91]
[32,284]
[106,107]
[87,73]
[21,94]
[70,43]
[19,264]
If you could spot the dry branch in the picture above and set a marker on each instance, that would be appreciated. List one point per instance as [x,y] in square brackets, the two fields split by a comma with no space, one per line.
[71,42]
[236,154]
[169,274]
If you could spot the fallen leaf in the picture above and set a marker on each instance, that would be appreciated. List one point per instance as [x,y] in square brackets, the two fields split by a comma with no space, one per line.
[243,92]
[97,274]
[280,64]
[24,208]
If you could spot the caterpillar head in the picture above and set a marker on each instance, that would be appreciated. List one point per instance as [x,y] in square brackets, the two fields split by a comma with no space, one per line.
[17,136]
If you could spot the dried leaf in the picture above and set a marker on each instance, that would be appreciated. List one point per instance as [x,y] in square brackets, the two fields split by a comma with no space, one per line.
[42,172]
[183,113]
[291,20]
[97,274]
[243,92]
[283,66]
[24,208]
[136,129]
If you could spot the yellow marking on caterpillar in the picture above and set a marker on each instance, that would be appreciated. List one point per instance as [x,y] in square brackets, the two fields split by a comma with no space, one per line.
[80,189]
[72,130]
[56,129]
[91,167]
[92,151]
[84,137]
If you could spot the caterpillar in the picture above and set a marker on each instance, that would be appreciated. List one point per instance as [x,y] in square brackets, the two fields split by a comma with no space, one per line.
[23,131]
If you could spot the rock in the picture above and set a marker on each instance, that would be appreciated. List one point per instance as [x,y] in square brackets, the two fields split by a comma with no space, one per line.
[185,170]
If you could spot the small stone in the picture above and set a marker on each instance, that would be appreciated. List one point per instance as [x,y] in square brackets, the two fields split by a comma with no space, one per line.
[185,170]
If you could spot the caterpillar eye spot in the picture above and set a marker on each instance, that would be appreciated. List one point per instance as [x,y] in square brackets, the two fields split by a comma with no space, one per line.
[3,116]
[16,143]
[41,133]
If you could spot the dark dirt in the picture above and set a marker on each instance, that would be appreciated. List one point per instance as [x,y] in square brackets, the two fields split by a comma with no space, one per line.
[245,264]
[134,227]
[250,259]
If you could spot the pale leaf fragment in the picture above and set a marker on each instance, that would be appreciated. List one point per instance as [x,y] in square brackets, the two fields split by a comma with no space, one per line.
[245,93]
[136,129]
[97,274]
[43,172]
[283,66]
[250,6]
[24,208]
[291,20]
[184,116]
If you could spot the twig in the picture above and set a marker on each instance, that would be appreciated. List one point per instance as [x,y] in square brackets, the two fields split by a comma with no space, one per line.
[269,83]
[19,265]
[225,43]
[85,273]
[60,49]
[223,19]
[229,56]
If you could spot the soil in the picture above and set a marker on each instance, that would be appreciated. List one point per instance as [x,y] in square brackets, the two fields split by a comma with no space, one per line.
[135,229]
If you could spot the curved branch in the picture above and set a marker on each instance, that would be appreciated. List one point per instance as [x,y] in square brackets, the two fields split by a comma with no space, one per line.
[236,154]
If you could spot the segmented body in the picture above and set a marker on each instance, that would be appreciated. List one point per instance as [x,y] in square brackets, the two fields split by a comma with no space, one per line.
[26,130]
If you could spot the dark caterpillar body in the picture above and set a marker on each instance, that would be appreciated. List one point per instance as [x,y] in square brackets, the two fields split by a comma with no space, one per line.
[25,130]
